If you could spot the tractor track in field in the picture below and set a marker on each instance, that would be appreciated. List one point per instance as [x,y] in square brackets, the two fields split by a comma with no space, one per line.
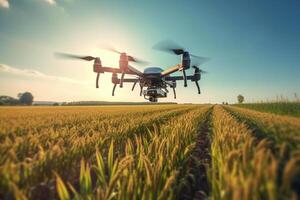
[196,184]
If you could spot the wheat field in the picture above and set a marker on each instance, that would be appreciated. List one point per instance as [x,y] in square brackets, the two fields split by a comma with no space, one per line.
[148,152]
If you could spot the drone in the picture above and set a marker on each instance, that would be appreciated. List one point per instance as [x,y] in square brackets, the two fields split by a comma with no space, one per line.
[154,79]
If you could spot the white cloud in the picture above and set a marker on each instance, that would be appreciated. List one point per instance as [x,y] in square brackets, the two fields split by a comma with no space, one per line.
[37,74]
[51,2]
[4,3]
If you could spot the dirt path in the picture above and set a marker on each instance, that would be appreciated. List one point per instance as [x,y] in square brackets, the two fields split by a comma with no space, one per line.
[196,185]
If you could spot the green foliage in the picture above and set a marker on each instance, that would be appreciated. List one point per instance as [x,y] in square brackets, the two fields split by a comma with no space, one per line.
[140,152]
[61,189]
[7,100]
[240,98]
[281,108]
[25,98]
[254,155]
[97,152]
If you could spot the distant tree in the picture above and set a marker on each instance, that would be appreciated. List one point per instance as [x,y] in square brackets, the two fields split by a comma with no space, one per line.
[26,98]
[7,100]
[240,98]
[20,95]
[56,104]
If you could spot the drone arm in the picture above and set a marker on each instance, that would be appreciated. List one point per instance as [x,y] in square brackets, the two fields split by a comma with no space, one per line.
[134,71]
[171,70]
[130,80]
[116,70]
[178,78]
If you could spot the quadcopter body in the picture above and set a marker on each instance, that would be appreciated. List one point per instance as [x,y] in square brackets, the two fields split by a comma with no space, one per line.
[153,81]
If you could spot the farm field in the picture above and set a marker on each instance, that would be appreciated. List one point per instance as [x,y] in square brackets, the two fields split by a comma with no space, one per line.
[148,152]
[281,108]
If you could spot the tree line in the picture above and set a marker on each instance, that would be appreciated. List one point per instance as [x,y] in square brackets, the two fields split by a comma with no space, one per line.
[25,98]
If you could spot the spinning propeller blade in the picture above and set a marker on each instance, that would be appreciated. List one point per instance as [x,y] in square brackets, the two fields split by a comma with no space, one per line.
[130,58]
[72,56]
[200,70]
[169,46]
[173,48]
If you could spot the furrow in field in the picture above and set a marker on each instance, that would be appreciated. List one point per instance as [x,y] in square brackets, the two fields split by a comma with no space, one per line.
[193,181]
[247,167]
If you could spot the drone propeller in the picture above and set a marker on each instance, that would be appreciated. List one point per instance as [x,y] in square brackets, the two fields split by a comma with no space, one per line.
[199,70]
[169,46]
[197,76]
[130,58]
[173,48]
[97,63]
[72,56]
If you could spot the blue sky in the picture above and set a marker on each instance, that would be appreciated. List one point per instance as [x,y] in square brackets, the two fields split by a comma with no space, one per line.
[254,46]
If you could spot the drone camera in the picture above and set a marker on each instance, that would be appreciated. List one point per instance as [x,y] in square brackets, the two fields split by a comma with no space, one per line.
[155,92]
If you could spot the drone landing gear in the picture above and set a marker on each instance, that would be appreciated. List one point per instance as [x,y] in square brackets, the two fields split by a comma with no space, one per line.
[97,80]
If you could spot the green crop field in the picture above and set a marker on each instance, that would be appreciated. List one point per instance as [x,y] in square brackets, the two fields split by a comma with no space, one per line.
[148,152]
[281,108]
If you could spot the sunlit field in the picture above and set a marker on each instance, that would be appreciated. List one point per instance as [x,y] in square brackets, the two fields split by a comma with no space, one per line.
[148,152]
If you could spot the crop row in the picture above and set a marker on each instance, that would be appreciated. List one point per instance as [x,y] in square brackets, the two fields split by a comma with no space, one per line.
[147,170]
[247,162]
[150,152]
[283,129]
[280,108]
[59,141]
